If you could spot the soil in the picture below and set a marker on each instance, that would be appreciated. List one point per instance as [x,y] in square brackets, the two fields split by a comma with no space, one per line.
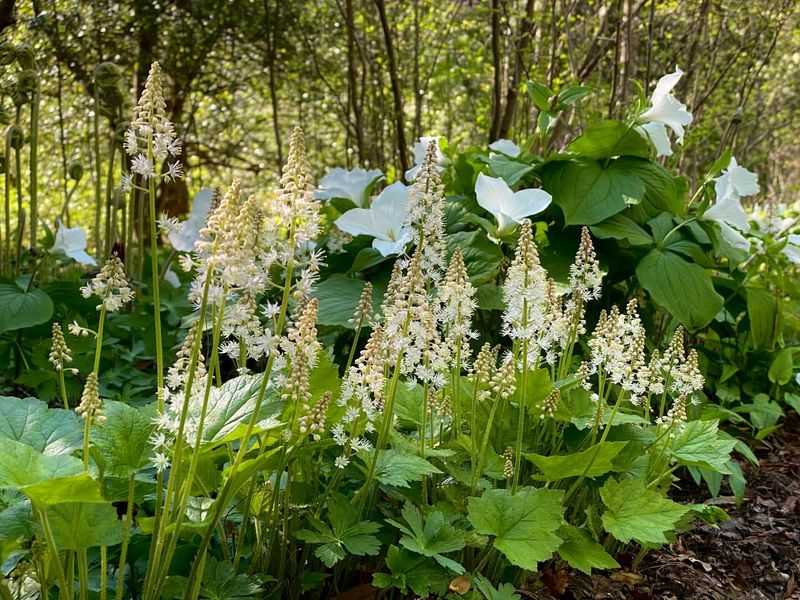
[754,556]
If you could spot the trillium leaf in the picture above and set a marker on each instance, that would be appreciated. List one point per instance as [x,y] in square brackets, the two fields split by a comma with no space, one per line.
[621,227]
[589,193]
[77,525]
[598,459]
[683,288]
[582,552]
[20,309]
[122,441]
[509,169]
[481,256]
[338,298]
[524,524]
[762,307]
[46,430]
[634,512]
[401,468]
[608,139]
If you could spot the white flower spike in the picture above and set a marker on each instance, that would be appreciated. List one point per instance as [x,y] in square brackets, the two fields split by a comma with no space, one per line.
[382,220]
[508,207]
[665,111]
[353,184]
[506,147]
[71,242]
[189,231]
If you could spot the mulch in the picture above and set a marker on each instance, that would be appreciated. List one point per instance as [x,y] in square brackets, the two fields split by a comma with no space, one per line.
[754,556]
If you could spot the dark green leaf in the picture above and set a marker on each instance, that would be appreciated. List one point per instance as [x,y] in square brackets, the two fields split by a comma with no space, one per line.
[20,309]
[582,552]
[46,430]
[607,139]
[762,308]
[592,462]
[621,227]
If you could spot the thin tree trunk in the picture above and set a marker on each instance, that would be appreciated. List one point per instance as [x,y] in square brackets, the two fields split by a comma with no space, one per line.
[271,27]
[399,113]
[497,90]
[526,29]
[352,80]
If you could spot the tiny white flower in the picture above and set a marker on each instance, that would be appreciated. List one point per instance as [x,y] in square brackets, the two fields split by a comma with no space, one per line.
[143,166]
[353,184]
[174,171]
[382,220]
[160,462]
[665,111]
[508,207]
[506,147]
[341,462]
[184,239]
[126,183]
[71,242]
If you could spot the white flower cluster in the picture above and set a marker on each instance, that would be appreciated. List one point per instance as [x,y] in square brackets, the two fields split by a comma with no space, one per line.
[110,285]
[151,139]
[455,305]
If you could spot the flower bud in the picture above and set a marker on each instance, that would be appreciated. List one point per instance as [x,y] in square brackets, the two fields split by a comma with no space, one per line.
[16,135]
[25,56]
[8,53]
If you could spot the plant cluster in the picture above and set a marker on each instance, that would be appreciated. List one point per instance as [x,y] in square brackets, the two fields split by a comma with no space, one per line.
[428,391]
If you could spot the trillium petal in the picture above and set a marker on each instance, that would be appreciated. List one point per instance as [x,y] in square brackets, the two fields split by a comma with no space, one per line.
[184,239]
[171,277]
[506,147]
[357,221]
[728,209]
[392,203]
[493,194]
[529,202]
[733,237]
[736,179]
[657,132]
[352,184]
[792,250]
[71,242]
[387,247]
[665,108]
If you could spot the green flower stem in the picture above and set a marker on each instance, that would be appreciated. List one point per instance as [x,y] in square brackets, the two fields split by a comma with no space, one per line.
[103,572]
[62,385]
[83,573]
[33,166]
[51,544]
[476,474]
[126,536]
[220,504]
[156,293]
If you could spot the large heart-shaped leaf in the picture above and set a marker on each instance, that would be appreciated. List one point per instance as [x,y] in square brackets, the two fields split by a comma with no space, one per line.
[46,430]
[609,138]
[20,309]
[77,525]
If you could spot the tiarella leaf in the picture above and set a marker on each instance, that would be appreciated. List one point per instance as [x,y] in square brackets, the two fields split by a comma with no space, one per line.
[634,512]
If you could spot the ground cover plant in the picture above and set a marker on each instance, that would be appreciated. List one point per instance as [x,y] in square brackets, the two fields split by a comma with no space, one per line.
[430,382]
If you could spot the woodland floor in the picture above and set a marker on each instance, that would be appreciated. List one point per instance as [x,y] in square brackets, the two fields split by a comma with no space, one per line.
[754,556]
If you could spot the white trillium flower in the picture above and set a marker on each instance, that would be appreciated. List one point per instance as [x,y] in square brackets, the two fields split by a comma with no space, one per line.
[382,220]
[419,149]
[792,252]
[506,147]
[734,183]
[171,277]
[188,232]
[508,207]
[665,111]
[352,184]
[71,242]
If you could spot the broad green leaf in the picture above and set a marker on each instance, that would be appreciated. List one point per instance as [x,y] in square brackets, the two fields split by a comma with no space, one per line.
[762,312]
[46,430]
[21,465]
[366,258]
[635,513]
[621,227]
[76,488]
[684,289]
[344,534]
[401,468]
[423,575]
[230,407]
[663,191]
[506,591]
[481,256]
[589,192]
[571,94]
[607,139]
[524,524]
[489,297]
[122,440]
[338,298]
[782,368]
[77,525]
[508,169]
[540,94]
[598,459]
[432,538]
[582,552]
[20,309]
[700,444]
